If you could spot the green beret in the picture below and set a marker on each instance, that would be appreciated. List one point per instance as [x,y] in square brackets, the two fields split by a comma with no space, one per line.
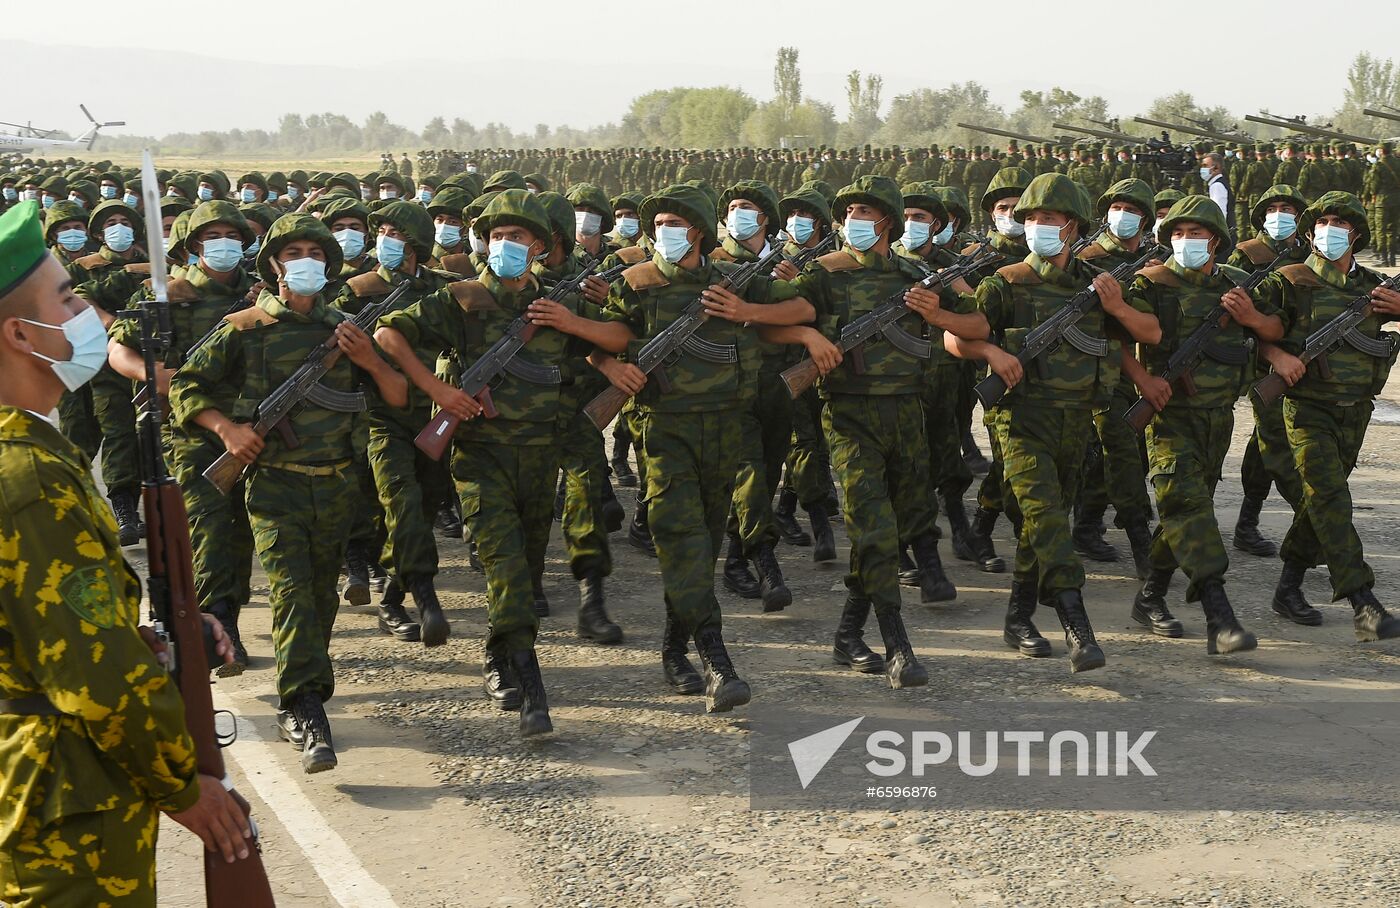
[1280,193]
[504,179]
[1007,183]
[1133,191]
[218,211]
[878,192]
[1198,209]
[288,229]
[1342,204]
[450,200]
[923,195]
[808,200]
[586,195]
[22,247]
[60,213]
[410,219]
[521,208]
[758,192]
[687,201]
[1055,192]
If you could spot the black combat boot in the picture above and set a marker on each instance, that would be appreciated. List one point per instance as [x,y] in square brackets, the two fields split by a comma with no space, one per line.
[448,521]
[228,618]
[559,491]
[934,585]
[593,621]
[908,571]
[738,579]
[771,588]
[498,681]
[1224,633]
[318,751]
[961,532]
[972,455]
[378,578]
[784,516]
[823,540]
[1084,651]
[356,574]
[1289,600]
[680,673]
[1019,631]
[980,537]
[620,467]
[289,728]
[474,557]
[724,689]
[534,707]
[394,621]
[1247,535]
[849,647]
[130,528]
[541,600]
[434,626]
[1140,540]
[639,532]
[1088,535]
[613,512]
[1150,606]
[1371,620]
[902,668]
[394,592]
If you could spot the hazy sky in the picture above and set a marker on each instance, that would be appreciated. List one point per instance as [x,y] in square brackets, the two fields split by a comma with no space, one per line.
[579,63]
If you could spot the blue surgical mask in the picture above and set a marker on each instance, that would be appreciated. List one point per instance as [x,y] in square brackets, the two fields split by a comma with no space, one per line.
[1332,242]
[293,193]
[88,339]
[1124,224]
[222,254]
[588,223]
[1008,226]
[206,194]
[1205,174]
[1045,240]
[425,195]
[628,227]
[742,223]
[108,192]
[248,195]
[118,237]
[304,276]
[673,243]
[477,243]
[916,234]
[352,242]
[47,201]
[448,235]
[388,193]
[507,259]
[861,234]
[72,239]
[390,251]
[130,200]
[800,229]
[272,195]
[78,200]
[252,251]
[944,235]
[1280,225]
[1191,253]
[11,194]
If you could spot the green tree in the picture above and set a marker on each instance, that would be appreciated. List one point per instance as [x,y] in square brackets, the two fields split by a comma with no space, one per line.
[787,81]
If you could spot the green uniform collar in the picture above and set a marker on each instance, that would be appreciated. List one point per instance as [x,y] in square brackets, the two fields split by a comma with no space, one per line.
[1331,274]
[678,275]
[320,314]
[200,279]
[1005,244]
[1194,277]
[739,251]
[872,260]
[513,300]
[1113,245]
[1051,273]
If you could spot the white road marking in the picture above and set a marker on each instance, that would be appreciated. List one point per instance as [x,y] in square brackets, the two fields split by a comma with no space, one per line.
[350,884]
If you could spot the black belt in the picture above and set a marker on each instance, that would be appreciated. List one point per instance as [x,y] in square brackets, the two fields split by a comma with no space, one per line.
[33,705]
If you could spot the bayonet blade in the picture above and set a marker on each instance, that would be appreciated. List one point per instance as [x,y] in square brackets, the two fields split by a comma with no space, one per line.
[155,236]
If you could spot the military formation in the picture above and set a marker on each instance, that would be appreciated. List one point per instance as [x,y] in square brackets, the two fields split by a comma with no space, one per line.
[737,335]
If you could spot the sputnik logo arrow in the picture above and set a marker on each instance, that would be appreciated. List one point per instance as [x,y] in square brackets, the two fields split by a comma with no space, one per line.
[811,754]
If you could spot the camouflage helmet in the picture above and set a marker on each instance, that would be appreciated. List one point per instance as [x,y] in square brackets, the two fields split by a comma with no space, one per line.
[470,183]
[345,180]
[955,201]
[216,179]
[260,213]
[1008,182]
[60,213]
[115,206]
[392,178]
[825,189]
[807,199]
[1167,198]
[1279,193]
[1055,192]
[410,219]
[877,192]
[561,216]
[687,201]
[292,227]
[1344,205]
[1198,209]
[450,201]
[329,210]
[255,178]
[520,208]
[504,179]
[179,232]
[218,211]
[478,204]
[586,195]
[1133,191]
[537,180]
[923,195]
[56,186]
[88,190]
[758,192]
[627,199]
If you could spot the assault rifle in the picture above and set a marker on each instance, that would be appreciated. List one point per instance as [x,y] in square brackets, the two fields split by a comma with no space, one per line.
[1083,242]
[881,321]
[143,393]
[499,359]
[807,256]
[677,338]
[1200,343]
[1340,329]
[302,385]
[1060,328]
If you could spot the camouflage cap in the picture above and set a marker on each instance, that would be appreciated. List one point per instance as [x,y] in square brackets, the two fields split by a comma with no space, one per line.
[537,180]
[392,178]
[877,192]
[628,199]
[1197,209]
[470,183]
[806,199]
[1007,183]
[88,190]
[345,180]
[115,206]
[758,192]
[292,227]
[687,201]
[923,195]
[521,208]
[561,216]
[586,195]
[1133,191]
[330,210]
[826,190]
[955,201]
[1055,192]
[255,178]
[218,211]
[451,200]
[61,212]
[1280,193]
[1166,198]
[504,179]
[260,213]
[1344,205]
[410,219]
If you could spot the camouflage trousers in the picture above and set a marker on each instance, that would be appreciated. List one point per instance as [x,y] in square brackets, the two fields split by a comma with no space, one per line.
[508,504]
[1114,472]
[1042,451]
[86,860]
[367,517]
[300,526]
[1326,439]
[877,450]
[691,461]
[808,468]
[116,420]
[1385,225]
[411,487]
[991,492]
[765,433]
[1186,451]
[220,537]
[940,399]
[585,477]
[78,420]
[1268,458]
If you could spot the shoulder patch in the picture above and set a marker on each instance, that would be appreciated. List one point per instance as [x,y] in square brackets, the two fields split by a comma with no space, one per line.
[1300,275]
[458,263]
[138,268]
[1019,273]
[247,319]
[645,276]
[473,296]
[632,255]
[91,595]
[93,262]
[721,255]
[180,290]
[1256,251]
[839,260]
[1160,274]
[1092,251]
[368,284]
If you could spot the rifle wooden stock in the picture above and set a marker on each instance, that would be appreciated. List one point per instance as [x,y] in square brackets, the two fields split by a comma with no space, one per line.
[436,436]
[990,390]
[224,472]
[800,377]
[1140,414]
[1269,389]
[603,409]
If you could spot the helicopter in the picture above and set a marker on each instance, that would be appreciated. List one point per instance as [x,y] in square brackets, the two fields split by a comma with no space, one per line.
[30,138]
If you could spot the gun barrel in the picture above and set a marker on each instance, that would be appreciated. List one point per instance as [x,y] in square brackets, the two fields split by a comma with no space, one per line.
[1191,130]
[1382,114]
[1101,133]
[992,131]
[1311,130]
